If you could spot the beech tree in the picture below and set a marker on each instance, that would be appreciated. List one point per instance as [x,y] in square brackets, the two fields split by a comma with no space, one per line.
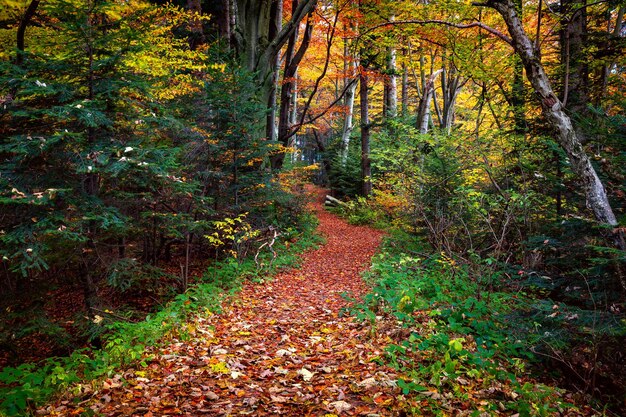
[554,111]
[257,37]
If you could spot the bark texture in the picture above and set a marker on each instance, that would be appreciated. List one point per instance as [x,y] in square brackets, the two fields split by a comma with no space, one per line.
[257,39]
[554,112]
[423,111]
[351,70]
[366,165]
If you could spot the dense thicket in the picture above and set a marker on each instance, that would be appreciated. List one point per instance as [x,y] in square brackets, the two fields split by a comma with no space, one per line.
[128,160]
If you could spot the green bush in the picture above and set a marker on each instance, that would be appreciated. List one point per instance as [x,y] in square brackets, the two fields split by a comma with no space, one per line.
[461,337]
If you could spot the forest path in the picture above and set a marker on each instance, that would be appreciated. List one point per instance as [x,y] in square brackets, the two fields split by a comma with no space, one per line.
[280,348]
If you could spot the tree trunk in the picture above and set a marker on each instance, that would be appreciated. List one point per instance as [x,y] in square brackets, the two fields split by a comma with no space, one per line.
[572,36]
[348,125]
[423,111]
[392,84]
[292,60]
[21,30]
[257,42]
[518,99]
[271,131]
[450,86]
[366,167]
[405,89]
[595,193]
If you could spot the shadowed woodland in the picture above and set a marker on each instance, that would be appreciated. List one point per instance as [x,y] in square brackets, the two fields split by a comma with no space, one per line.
[165,252]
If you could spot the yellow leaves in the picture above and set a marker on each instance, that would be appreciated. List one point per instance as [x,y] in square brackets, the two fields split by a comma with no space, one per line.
[217,67]
[297,177]
[233,232]
[220,367]
[404,303]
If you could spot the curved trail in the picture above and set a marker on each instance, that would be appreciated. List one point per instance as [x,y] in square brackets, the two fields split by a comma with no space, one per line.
[281,348]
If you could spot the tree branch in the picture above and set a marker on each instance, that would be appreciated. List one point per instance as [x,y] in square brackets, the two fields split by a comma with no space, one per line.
[21,30]
[282,37]
[295,128]
[481,25]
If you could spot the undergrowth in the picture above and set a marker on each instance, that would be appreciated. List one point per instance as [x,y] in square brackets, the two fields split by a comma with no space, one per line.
[24,387]
[465,341]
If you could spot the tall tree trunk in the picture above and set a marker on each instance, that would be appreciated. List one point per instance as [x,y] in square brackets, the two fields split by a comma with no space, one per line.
[271,129]
[21,44]
[21,30]
[450,86]
[575,89]
[366,166]
[392,84]
[405,88]
[595,193]
[293,112]
[292,60]
[257,42]
[423,110]
[518,93]
[348,125]
[351,71]
[518,97]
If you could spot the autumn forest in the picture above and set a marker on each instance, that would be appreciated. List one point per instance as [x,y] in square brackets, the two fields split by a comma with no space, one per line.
[312,207]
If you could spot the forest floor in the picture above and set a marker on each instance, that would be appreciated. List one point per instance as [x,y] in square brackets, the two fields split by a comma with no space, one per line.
[280,347]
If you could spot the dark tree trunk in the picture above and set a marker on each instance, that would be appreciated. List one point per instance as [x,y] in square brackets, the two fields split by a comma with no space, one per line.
[292,60]
[575,83]
[257,42]
[270,128]
[518,100]
[21,30]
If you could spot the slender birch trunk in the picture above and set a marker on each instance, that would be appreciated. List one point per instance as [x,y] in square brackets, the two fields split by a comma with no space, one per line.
[348,125]
[423,111]
[553,110]
[366,166]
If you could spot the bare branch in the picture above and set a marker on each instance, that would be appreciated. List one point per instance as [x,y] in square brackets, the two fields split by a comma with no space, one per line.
[470,25]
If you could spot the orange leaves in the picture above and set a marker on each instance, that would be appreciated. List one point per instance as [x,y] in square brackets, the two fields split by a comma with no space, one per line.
[277,349]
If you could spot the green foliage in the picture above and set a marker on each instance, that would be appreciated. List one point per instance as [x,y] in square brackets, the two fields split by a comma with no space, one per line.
[80,144]
[127,273]
[28,385]
[465,331]
[344,178]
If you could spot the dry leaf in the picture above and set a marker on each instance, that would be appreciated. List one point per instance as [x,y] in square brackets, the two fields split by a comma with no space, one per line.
[306,374]
[340,406]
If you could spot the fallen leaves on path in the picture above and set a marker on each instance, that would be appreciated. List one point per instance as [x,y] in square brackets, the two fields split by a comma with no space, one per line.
[281,348]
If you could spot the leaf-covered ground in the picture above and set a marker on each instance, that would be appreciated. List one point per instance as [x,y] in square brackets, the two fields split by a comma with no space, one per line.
[278,348]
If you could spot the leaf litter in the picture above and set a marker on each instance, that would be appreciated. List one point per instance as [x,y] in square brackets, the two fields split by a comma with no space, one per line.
[281,348]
